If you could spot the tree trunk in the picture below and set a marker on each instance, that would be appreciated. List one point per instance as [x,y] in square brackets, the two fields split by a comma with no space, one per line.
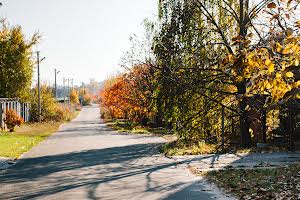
[244,114]
[158,117]
[244,124]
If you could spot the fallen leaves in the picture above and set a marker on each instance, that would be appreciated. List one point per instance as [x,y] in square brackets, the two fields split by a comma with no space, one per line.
[278,183]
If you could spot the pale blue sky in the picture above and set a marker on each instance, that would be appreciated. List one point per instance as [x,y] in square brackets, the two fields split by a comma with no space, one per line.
[84,39]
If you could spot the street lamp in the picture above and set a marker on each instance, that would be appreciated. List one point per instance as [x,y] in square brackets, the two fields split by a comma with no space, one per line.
[55,83]
[39,84]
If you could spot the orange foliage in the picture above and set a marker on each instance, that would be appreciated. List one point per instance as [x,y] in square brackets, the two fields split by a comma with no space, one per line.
[12,119]
[125,97]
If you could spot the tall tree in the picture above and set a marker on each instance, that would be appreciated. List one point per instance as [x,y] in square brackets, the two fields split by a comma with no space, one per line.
[16,63]
[231,37]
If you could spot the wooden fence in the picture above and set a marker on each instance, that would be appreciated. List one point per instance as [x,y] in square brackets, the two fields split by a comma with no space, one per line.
[22,109]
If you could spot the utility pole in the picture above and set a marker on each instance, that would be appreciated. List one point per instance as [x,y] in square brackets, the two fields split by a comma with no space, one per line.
[72,84]
[69,90]
[81,97]
[83,87]
[39,85]
[55,82]
[64,90]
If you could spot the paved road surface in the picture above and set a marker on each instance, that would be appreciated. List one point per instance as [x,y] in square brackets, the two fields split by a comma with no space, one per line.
[211,162]
[86,160]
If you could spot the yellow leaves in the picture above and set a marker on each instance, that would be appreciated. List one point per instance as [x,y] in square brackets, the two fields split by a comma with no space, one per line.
[279,89]
[286,51]
[289,74]
[232,88]
[267,85]
[290,48]
[289,32]
[180,71]
[296,63]
[239,79]
[247,73]
[251,63]
[228,59]
[277,76]
[270,66]
[267,71]
[278,47]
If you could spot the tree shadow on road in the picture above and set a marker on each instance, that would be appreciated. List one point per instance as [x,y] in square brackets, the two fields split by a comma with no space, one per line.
[43,176]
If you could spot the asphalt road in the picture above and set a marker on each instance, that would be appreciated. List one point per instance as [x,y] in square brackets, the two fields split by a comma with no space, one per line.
[87,160]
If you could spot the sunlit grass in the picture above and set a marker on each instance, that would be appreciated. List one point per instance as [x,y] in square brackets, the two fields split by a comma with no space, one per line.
[13,145]
[179,148]
[132,127]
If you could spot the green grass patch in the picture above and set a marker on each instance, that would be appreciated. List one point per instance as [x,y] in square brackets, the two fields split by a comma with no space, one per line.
[276,183]
[179,148]
[13,145]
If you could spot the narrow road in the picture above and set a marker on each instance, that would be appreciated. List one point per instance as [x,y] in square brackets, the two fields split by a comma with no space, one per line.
[86,160]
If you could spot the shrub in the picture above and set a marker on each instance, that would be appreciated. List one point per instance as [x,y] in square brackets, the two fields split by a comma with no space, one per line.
[63,113]
[85,97]
[51,110]
[12,119]
[74,97]
[87,100]
[48,104]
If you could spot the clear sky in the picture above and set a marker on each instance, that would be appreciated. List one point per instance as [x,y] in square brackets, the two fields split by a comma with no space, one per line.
[82,38]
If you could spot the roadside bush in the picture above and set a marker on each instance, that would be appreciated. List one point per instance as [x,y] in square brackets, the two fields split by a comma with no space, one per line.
[87,100]
[51,110]
[85,97]
[74,97]
[63,113]
[12,119]
[49,106]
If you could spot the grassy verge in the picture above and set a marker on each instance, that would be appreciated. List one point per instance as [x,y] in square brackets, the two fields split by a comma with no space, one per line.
[131,127]
[179,148]
[13,145]
[174,147]
[125,126]
[277,183]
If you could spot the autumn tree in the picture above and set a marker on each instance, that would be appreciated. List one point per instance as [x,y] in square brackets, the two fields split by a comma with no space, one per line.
[85,96]
[215,38]
[74,97]
[127,96]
